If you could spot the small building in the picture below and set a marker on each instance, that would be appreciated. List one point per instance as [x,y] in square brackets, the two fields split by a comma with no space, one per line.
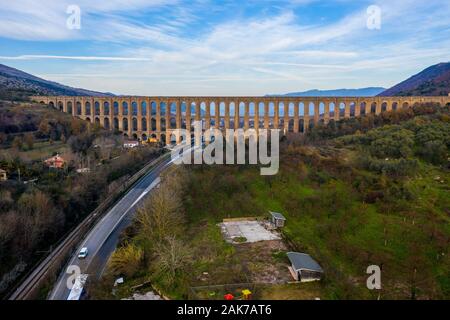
[277,219]
[304,268]
[131,144]
[3,175]
[57,162]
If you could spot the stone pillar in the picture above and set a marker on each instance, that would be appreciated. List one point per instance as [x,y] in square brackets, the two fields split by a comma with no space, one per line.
[237,111]
[266,115]
[247,115]
[217,114]
[378,107]
[306,117]
[326,112]
[256,117]
[158,118]
[92,110]
[316,112]
[337,110]
[188,118]
[357,108]
[276,118]
[347,110]
[296,117]
[178,120]
[208,115]
[286,117]
[167,117]
[139,117]
[227,115]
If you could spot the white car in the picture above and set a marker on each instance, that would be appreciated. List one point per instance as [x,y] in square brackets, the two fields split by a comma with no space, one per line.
[83,253]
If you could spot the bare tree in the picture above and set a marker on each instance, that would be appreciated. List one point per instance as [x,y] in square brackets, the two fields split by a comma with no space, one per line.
[172,256]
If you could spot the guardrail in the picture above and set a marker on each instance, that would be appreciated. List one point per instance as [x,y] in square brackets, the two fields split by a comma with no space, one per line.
[30,286]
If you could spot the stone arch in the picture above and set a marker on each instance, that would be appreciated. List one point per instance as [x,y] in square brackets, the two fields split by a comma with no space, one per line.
[125,135]
[144,108]
[79,108]
[153,124]
[88,119]
[116,124]
[60,106]
[124,108]
[162,108]
[332,109]
[106,123]
[363,107]
[405,105]
[301,125]
[153,108]
[69,107]
[41,102]
[134,108]
[384,106]
[301,109]
[125,124]
[134,124]
[163,124]
[135,136]
[106,110]
[87,108]
[352,109]
[51,104]
[373,107]
[342,106]
[394,105]
[144,124]
[144,137]
[97,120]
[97,108]
[116,108]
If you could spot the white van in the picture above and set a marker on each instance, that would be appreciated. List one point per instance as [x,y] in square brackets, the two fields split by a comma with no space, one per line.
[83,253]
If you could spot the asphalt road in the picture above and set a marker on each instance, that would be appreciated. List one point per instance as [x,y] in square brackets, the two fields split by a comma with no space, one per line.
[102,240]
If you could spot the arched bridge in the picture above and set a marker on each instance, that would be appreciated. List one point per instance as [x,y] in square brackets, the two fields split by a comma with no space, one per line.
[158,117]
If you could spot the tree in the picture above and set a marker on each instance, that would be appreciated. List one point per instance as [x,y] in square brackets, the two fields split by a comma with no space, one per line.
[29,140]
[17,142]
[44,128]
[127,260]
[162,213]
[172,256]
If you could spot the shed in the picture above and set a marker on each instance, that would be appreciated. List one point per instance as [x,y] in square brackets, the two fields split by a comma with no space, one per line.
[304,267]
[277,219]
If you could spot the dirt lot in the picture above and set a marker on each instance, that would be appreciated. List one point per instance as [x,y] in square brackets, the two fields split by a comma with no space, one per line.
[264,261]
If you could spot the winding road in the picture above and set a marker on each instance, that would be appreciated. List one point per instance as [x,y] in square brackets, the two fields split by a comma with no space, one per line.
[102,240]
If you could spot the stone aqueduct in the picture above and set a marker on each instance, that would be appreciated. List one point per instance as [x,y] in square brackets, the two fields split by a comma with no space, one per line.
[159,117]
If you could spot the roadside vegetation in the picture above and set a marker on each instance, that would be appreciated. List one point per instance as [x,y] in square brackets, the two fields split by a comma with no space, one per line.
[360,192]
[38,204]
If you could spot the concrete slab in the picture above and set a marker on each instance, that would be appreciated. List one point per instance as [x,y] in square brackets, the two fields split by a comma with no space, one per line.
[252,231]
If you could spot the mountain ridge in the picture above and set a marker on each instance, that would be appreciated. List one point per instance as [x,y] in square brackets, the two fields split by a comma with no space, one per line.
[432,81]
[12,79]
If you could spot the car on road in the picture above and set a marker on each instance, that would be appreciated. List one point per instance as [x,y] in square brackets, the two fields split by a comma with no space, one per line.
[83,253]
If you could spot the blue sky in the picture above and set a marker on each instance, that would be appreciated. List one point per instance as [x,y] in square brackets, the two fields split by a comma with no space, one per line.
[205,47]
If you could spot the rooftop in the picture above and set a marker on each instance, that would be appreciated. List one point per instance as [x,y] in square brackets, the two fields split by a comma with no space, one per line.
[303,261]
[277,215]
